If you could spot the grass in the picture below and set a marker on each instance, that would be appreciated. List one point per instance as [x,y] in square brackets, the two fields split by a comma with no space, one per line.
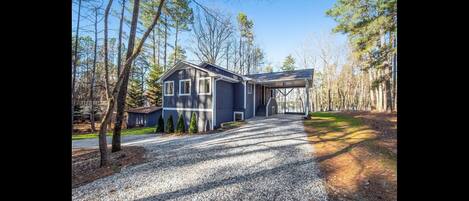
[232,124]
[131,131]
[350,152]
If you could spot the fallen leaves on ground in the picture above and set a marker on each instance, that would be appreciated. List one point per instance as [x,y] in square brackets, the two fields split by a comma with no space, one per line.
[85,163]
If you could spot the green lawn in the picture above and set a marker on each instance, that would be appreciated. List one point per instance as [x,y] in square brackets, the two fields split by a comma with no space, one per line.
[233,124]
[131,131]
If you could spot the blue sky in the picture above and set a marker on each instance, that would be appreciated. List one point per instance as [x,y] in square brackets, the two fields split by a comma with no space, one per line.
[280,26]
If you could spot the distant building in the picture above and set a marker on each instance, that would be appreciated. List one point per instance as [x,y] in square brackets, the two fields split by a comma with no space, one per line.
[143,116]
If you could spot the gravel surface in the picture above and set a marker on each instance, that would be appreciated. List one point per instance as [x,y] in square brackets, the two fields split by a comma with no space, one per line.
[265,159]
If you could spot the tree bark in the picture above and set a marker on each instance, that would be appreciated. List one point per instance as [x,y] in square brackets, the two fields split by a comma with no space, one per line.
[119,47]
[93,73]
[75,59]
[117,89]
[106,59]
[165,41]
[176,42]
[153,39]
[120,101]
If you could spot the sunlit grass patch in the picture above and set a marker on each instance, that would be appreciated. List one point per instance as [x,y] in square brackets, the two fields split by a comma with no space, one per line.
[130,131]
[351,152]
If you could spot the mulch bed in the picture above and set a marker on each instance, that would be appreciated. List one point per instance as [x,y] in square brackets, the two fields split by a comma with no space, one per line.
[85,163]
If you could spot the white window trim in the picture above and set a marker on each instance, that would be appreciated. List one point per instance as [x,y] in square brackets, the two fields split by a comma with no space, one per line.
[164,88]
[180,89]
[234,115]
[209,84]
[248,88]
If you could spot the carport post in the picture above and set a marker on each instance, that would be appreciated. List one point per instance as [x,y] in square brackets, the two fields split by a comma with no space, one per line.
[307,97]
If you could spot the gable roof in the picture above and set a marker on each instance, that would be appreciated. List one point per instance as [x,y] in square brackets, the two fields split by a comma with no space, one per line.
[144,110]
[219,69]
[283,76]
[210,71]
[178,66]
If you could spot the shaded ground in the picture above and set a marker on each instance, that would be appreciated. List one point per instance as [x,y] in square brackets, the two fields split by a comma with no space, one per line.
[264,159]
[357,154]
[85,163]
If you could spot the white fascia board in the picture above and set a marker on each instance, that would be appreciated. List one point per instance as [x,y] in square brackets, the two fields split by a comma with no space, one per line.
[180,65]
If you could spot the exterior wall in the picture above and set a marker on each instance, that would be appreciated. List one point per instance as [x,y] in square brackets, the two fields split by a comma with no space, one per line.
[152,118]
[249,103]
[238,96]
[148,120]
[192,101]
[225,102]
[202,118]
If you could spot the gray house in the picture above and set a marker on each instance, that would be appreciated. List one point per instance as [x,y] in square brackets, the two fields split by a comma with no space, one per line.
[143,116]
[218,95]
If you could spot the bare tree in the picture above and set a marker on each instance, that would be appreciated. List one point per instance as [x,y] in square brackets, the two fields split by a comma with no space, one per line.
[123,92]
[75,57]
[106,65]
[93,73]
[211,35]
[119,85]
[119,40]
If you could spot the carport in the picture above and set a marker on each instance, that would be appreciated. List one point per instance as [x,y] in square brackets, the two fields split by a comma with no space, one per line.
[271,87]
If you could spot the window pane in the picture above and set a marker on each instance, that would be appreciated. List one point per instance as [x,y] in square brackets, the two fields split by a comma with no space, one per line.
[186,87]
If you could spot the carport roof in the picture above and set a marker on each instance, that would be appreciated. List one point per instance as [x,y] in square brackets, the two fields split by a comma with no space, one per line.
[295,78]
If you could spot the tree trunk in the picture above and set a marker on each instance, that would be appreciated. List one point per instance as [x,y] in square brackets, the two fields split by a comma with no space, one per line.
[159,47]
[106,62]
[153,38]
[93,72]
[119,47]
[120,100]
[227,52]
[165,42]
[75,59]
[117,89]
[388,90]
[176,42]
[329,106]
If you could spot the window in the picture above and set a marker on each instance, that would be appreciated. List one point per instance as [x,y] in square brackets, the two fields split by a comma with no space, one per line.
[238,116]
[204,86]
[169,88]
[185,87]
[249,88]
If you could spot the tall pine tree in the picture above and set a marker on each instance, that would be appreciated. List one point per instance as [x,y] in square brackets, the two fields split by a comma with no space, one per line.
[154,90]
[135,96]
[289,63]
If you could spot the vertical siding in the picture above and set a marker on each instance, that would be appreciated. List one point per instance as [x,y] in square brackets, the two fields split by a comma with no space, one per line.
[152,118]
[225,102]
[194,100]
[238,96]
[249,103]
[131,120]
[202,118]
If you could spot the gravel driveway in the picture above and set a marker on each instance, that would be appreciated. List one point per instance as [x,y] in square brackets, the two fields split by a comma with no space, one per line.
[266,159]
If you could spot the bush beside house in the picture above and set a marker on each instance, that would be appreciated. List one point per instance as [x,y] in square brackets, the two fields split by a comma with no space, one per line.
[169,125]
[180,127]
[160,125]
[193,124]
